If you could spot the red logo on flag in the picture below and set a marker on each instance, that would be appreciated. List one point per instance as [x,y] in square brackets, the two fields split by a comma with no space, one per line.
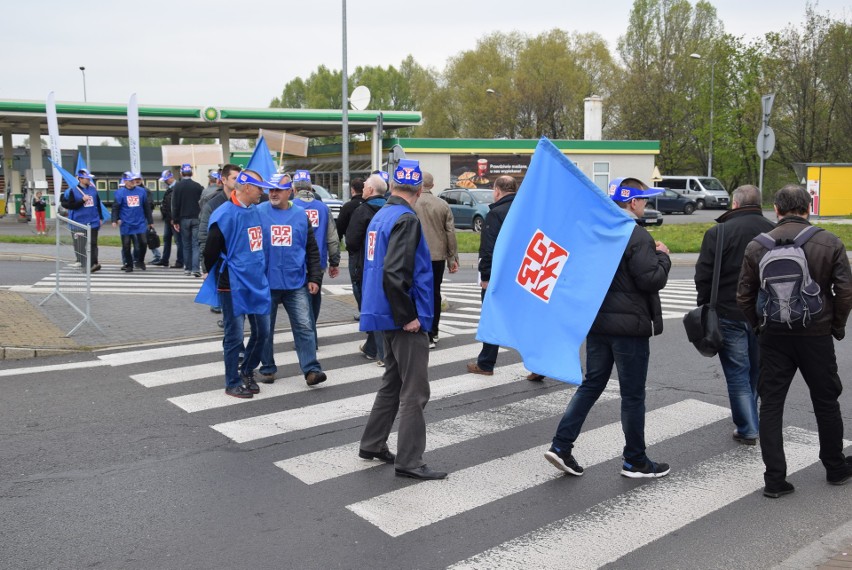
[255,235]
[133,201]
[313,216]
[371,245]
[282,236]
[543,262]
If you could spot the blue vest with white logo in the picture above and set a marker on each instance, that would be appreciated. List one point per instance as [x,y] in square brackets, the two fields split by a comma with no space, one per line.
[285,239]
[132,204]
[90,213]
[318,215]
[376,314]
[243,232]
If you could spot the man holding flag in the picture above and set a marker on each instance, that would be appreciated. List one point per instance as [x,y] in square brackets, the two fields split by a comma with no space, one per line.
[629,315]
[84,207]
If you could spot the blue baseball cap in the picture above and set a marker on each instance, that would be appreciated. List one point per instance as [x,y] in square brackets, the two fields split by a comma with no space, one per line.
[276,181]
[166,175]
[214,174]
[626,189]
[383,174]
[407,172]
[136,175]
[186,168]
[245,178]
[83,173]
[126,176]
[302,176]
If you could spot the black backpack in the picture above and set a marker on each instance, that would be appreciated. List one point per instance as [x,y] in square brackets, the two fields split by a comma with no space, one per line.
[788,297]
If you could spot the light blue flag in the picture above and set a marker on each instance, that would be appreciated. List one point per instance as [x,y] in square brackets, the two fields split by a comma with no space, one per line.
[69,178]
[81,163]
[553,262]
[261,160]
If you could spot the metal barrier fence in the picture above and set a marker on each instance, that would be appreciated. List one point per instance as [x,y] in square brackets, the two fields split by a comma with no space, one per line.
[73,282]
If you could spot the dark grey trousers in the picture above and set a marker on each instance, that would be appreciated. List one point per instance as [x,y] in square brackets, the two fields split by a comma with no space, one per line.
[404,389]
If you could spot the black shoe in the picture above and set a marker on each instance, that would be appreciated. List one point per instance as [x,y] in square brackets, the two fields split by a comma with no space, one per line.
[265,378]
[364,353]
[784,488]
[422,472]
[357,317]
[126,267]
[563,461]
[533,377]
[196,274]
[315,377]
[96,267]
[250,384]
[239,392]
[129,269]
[842,477]
[744,440]
[161,263]
[217,310]
[649,469]
[140,266]
[385,455]
[177,266]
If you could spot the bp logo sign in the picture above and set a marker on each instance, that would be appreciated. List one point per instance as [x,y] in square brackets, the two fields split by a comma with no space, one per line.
[211,114]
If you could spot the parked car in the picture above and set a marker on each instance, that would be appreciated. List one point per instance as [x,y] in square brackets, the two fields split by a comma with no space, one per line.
[670,201]
[328,199]
[469,207]
[651,217]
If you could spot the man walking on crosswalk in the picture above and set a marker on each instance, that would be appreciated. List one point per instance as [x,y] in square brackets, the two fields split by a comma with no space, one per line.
[629,315]
[397,299]
[237,281]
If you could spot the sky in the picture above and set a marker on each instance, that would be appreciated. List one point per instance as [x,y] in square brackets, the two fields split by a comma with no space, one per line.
[241,54]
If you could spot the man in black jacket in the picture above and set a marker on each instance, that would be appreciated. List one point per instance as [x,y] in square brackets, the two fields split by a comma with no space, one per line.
[168,230]
[185,213]
[356,232]
[629,315]
[739,354]
[356,189]
[505,188]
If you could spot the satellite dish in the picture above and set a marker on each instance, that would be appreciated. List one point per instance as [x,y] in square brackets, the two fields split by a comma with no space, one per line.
[360,98]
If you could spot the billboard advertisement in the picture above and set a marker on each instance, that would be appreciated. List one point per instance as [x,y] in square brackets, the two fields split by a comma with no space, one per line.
[474,171]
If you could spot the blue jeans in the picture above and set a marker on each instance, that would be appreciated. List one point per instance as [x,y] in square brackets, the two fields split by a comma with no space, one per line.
[168,233]
[630,355]
[740,359]
[356,282]
[232,342]
[189,237]
[298,306]
[375,345]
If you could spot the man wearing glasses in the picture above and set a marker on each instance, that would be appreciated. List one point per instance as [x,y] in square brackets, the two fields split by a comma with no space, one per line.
[236,281]
[629,315]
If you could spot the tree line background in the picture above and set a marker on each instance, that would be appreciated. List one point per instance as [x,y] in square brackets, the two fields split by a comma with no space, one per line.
[518,86]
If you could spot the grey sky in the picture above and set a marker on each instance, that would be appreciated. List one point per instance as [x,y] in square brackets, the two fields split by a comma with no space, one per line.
[241,54]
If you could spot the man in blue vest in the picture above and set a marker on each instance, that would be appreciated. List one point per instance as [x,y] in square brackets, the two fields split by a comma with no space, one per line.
[397,299]
[324,230]
[236,281]
[131,208]
[84,207]
[294,274]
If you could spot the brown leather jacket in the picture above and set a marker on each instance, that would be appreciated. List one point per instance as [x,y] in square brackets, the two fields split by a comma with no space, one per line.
[828,264]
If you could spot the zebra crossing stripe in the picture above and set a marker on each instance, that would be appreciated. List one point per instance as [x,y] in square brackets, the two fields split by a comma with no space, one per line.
[337,377]
[166,352]
[279,423]
[494,480]
[211,369]
[51,368]
[646,513]
[327,464]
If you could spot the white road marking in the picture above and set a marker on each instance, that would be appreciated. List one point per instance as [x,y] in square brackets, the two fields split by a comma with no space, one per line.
[494,480]
[51,368]
[647,512]
[280,423]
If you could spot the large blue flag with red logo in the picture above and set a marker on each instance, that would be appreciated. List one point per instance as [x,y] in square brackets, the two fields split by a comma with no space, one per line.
[261,160]
[553,262]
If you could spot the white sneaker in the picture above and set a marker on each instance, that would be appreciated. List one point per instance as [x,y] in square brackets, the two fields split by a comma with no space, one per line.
[77,264]
[380,363]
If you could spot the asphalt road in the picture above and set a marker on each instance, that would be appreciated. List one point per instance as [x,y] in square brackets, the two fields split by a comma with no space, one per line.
[134,460]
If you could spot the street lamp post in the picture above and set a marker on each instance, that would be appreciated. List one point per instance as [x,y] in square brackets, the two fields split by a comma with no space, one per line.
[344,147]
[86,100]
[712,81]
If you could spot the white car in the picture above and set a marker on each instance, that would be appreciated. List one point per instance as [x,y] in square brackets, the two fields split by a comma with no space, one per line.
[325,196]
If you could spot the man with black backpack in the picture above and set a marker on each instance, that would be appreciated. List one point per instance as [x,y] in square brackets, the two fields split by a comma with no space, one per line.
[796,291]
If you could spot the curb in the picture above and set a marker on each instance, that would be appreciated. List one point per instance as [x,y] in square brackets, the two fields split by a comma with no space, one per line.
[23,352]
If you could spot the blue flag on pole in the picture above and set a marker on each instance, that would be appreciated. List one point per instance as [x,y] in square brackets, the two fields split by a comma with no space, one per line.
[553,262]
[81,163]
[69,178]
[261,161]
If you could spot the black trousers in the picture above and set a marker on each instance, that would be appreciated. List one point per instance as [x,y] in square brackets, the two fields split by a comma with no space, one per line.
[140,246]
[437,279]
[813,356]
[80,246]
